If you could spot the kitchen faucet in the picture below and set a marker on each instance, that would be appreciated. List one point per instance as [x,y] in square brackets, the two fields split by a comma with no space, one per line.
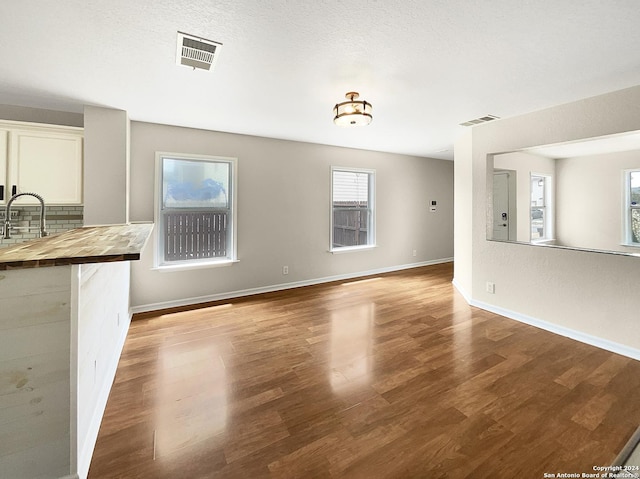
[7,214]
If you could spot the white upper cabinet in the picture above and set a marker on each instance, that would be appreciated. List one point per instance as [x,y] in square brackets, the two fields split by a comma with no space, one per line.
[46,160]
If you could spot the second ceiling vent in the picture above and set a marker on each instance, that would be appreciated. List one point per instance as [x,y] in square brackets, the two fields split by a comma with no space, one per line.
[196,52]
[482,119]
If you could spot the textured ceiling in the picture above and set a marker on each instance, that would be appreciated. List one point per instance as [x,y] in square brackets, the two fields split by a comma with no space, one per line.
[426,66]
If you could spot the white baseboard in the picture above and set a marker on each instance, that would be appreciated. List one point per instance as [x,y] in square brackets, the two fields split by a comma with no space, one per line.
[84,458]
[462,291]
[278,287]
[557,329]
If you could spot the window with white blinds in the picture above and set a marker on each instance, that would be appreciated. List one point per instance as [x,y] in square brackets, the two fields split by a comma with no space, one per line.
[352,208]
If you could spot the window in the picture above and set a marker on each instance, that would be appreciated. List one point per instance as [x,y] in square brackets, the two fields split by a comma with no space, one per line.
[541,208]
[352,209]
[195,210]
[632,207]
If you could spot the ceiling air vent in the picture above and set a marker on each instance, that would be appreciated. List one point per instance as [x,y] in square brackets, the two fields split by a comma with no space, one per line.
[482,119]
[197,52]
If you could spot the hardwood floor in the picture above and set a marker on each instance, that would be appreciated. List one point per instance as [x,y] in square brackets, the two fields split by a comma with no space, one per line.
[393,376]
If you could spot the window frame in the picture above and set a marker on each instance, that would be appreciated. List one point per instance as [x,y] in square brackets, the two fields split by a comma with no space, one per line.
[158,258]
[627,210]
[371,200]
[547,208]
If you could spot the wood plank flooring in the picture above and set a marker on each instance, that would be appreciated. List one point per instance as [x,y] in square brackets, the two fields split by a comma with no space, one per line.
[392,376]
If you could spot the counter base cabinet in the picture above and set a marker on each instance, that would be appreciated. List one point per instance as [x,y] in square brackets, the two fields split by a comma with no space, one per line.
[102,324]
[35,318]
[62,330]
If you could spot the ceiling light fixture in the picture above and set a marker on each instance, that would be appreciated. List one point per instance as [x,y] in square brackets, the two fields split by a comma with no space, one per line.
[352,112]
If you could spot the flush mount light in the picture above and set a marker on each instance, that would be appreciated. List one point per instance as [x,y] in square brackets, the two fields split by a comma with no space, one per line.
[353,112]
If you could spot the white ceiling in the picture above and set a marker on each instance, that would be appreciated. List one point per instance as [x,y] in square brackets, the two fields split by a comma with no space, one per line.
[425,65]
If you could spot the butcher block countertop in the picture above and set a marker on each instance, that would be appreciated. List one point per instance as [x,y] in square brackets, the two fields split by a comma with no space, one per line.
[91,244]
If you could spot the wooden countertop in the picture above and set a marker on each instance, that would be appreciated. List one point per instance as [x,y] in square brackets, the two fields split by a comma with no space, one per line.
[92,244]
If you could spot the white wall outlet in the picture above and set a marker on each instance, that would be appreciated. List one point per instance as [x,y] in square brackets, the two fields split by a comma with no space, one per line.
[285,270]
[415,252]
[491,287]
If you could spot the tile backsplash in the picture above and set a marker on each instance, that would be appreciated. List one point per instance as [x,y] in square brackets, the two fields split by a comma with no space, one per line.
[58,220]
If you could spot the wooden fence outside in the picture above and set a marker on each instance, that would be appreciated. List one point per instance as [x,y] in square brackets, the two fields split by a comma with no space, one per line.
[194,234]
[350,226]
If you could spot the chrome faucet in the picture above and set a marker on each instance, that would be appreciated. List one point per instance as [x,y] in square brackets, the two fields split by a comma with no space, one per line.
[7,214]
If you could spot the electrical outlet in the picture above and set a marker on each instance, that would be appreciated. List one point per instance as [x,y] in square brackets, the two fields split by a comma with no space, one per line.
[285,270]
[491,287]
[414,252]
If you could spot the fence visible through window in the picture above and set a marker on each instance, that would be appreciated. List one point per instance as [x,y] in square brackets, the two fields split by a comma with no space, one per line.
[193,234]
[350,224]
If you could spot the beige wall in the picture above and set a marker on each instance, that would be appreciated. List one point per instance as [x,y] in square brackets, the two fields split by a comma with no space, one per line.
[106,166]
[589,200]
[588,295]
[284,212]
[37,115]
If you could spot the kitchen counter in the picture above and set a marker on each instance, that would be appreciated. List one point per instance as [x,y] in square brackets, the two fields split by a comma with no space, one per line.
[62,330]
[91,244]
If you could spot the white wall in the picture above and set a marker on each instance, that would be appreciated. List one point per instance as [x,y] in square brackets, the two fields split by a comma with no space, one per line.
[284,212]
[106,166]
[462,272]
[590,200]
[591,295]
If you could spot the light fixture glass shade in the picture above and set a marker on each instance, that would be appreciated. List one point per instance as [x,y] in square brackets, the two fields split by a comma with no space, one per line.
[353,112]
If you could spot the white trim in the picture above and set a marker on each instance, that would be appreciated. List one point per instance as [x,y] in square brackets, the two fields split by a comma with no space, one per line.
[351,249]
[371,233]
[461,290]
[627,234]
[549,207]
[72,476]
[233,165]
[74,368]
[194,265]
[561,330]
[34,126]
[278,287]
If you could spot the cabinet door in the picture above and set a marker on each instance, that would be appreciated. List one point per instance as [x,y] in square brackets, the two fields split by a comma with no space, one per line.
[48,163]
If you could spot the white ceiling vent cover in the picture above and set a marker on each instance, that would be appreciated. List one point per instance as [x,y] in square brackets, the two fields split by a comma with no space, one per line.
[482,119]
[196,52]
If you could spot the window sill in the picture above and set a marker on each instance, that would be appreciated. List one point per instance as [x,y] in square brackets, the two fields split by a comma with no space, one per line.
[194,265]
[550,241]
[630,245]
[351,249]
